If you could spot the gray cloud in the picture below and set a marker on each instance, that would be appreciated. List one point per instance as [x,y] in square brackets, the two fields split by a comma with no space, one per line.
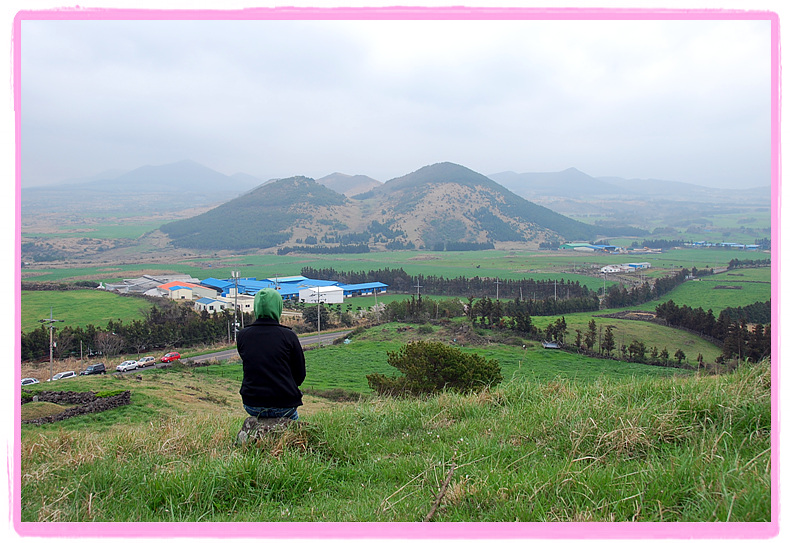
[678,100]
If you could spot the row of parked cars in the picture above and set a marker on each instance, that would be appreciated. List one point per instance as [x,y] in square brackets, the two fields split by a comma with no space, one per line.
[100,368]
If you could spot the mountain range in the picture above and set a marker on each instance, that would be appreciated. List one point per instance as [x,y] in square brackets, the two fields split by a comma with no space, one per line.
[434,206]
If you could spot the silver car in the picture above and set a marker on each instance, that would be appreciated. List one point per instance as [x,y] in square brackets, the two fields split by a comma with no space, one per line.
[127,365]
[62,375]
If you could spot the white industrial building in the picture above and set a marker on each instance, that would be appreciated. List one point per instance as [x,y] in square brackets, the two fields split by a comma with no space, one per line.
[328,295]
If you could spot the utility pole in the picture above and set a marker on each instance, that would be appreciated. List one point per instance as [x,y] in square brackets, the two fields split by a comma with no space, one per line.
[51,321]
[498,282]
[318,307]
[235,275]
[376,303]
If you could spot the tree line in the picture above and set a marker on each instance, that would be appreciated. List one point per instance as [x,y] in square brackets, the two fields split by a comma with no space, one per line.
[622,296]
[399,281]
[164,326]
[738,340]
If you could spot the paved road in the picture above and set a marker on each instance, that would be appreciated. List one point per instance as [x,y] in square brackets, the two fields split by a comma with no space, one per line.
[326,339]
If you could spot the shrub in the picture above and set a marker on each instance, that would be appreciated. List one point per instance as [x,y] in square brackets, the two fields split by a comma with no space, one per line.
[428,367]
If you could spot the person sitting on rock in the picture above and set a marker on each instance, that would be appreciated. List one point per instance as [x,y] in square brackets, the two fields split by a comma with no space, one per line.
[273,361]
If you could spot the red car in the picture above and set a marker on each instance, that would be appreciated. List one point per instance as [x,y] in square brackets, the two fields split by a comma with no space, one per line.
[169,357]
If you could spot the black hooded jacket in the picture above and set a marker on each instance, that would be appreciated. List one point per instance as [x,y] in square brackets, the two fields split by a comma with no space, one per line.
[273,362]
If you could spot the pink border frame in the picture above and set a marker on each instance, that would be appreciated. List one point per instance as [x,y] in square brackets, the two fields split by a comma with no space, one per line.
[469,531]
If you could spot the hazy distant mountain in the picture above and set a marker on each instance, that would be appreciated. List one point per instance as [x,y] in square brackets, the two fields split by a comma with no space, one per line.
[570,182]
[185,175]
[107,174]
[442,203]
[349,185]
[175,186]
[245,182]
[675,190]
[574,184]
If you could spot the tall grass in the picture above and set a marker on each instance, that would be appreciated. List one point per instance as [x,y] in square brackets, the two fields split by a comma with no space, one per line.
[640,449]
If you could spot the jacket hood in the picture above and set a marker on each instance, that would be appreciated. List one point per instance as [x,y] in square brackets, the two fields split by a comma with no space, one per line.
[268,304]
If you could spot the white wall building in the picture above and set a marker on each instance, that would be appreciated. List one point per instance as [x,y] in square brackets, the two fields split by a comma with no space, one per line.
[246,303]
[328,295]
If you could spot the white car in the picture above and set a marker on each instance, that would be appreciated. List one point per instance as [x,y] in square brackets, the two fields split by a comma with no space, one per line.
[29,381]
[127,365]
[62,375]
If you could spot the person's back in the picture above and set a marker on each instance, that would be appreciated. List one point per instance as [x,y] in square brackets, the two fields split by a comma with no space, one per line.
[273,361]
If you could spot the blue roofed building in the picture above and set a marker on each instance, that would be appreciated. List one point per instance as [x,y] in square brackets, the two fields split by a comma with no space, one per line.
[288,287]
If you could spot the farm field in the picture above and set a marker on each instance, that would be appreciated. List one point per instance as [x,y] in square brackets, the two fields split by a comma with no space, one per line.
[346,365]
[78,308]
[626,331]
[503,264]
[736,288]
[103,230]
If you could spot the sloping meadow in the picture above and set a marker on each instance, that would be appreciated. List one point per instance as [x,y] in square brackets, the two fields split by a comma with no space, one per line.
[694,448]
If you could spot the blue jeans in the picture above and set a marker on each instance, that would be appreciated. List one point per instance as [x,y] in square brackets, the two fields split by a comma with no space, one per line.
[272,412]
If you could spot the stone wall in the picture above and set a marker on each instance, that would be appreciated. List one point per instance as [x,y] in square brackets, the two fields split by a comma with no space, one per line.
[88,403]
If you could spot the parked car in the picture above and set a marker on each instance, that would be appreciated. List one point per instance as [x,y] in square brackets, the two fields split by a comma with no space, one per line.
[62,375]
[29,381]
[146,361]
[169,357]
[127,365]
[94,369]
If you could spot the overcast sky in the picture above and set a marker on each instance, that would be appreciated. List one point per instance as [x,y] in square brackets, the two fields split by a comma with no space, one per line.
[677,100]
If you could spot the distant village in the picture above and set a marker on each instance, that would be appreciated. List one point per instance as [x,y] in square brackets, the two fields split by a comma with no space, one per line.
[594,248]
[215,295]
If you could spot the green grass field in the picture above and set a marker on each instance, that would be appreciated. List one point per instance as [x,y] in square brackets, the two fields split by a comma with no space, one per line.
[750,285]
[131,230]
[622,449]
[504,264]
[77,308]
[626,331]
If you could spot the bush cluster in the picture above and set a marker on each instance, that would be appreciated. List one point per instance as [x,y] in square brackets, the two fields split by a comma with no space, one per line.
[429,367]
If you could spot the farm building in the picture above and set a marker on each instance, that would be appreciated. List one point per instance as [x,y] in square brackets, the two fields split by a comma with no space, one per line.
[179,290]
[328,294]
[209,304]
[244,302]
[290,287]
[364,289]
[147,284]
[589,247]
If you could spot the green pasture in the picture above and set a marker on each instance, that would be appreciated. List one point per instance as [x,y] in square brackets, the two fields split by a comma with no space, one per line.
[346,365]
[502,264]
[106,273]
[745,287]
[78,308]
[626,331]
[100,231]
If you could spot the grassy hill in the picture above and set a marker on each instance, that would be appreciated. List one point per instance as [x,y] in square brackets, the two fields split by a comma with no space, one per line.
[608,449]
[264,217]
[441,203]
